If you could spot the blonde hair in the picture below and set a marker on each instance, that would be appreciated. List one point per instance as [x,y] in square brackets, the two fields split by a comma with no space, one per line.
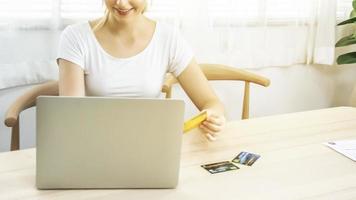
[102,21]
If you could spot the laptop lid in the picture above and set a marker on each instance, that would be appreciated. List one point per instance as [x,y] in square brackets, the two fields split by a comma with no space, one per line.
[108,142]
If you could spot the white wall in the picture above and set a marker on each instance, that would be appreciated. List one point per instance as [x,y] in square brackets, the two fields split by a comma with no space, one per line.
[292,89]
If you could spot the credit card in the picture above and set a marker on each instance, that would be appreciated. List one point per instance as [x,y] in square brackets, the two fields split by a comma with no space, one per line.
[246,158]
[195,121]
[214,168]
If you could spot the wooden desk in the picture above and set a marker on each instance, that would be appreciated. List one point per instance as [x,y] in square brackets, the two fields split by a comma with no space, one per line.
[294,163]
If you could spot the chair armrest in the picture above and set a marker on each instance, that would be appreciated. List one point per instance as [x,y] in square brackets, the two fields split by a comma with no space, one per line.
[223,72]
[28,100]
[168,82]
[220,72]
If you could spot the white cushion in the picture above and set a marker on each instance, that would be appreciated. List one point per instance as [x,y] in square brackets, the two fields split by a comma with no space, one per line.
[25,73]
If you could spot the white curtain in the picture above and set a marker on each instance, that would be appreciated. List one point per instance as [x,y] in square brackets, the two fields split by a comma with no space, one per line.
[257,33]
[323,43]
[246,34]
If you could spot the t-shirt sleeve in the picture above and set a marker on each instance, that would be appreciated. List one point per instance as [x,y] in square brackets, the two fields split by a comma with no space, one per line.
[70,48]
[181,54]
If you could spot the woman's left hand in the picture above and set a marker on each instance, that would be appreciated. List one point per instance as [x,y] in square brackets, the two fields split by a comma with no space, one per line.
[213,125]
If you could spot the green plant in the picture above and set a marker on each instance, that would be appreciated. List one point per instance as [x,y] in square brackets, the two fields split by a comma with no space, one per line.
[348,58]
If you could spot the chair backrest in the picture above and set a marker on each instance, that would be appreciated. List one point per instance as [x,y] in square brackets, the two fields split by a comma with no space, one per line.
[223,72]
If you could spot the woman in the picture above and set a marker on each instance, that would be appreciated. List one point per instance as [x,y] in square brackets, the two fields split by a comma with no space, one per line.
[126,54]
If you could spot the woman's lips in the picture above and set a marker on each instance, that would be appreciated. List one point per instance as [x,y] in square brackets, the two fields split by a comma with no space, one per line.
[123,11]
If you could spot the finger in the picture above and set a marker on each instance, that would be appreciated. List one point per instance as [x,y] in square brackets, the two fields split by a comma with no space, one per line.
[210,137]
[206,129]
[216,121]
[213,127]
[212,115]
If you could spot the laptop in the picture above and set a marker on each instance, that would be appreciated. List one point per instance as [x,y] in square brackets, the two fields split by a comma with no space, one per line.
[108,142]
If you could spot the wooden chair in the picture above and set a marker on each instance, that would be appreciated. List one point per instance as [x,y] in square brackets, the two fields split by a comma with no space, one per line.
[223,72]
[25,101]
[212,72]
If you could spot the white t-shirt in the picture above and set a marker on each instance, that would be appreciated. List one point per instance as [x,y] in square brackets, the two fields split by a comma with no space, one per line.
[141,75]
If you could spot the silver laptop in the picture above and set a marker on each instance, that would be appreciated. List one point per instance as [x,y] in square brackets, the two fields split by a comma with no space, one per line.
[107,142]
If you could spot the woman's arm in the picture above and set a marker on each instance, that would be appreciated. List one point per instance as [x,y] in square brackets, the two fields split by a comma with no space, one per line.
[195,84]
[71,79]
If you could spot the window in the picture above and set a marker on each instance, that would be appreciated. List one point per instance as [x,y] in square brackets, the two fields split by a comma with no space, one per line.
[52,13]
[344,8]
[32,9]
[81,9]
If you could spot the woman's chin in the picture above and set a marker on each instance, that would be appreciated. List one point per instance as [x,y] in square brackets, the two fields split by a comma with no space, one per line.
[125,20]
